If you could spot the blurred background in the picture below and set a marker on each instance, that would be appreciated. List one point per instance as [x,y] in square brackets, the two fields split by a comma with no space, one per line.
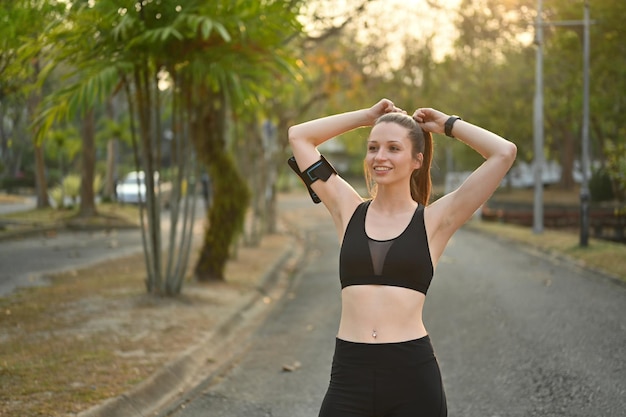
[201,94]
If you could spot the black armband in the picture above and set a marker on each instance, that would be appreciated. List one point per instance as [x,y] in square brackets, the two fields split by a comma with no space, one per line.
[321,170]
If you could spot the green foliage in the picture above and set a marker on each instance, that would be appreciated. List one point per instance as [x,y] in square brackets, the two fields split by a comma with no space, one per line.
[600,186]
[58,196]
[13,185]
[616,168]
[71,186]
[97,183]
[63,144]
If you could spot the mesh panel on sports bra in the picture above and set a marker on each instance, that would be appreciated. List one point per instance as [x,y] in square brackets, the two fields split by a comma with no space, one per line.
[378,252]
[401,262]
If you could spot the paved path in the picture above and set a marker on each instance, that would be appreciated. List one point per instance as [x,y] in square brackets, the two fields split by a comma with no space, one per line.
[25,203]
[27,261]
[516,334]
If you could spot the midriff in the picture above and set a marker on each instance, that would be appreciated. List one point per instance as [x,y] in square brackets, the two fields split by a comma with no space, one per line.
[381,314]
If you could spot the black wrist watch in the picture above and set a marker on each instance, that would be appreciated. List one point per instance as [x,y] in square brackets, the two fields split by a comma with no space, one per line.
[448,125]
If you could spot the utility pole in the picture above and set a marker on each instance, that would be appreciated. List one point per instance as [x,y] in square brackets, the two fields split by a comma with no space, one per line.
[538,124]
[584,189]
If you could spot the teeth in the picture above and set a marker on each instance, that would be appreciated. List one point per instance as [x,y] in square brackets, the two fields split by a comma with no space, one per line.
[381,169]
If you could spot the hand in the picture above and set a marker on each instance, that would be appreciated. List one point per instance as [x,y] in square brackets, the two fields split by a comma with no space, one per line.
[382,107]
[430,120]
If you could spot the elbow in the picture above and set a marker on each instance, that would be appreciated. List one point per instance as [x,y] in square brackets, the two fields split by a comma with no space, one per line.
[506,154]
[293,135]
[511,152]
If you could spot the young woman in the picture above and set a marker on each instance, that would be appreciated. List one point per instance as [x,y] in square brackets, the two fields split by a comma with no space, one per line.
[384,364]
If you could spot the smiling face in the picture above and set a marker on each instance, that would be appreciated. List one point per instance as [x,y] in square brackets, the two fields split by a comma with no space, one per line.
[390,154]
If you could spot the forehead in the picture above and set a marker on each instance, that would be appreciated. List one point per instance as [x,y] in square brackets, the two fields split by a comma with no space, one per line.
[386,132]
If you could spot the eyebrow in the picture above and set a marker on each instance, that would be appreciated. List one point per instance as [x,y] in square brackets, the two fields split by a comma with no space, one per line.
[389,141]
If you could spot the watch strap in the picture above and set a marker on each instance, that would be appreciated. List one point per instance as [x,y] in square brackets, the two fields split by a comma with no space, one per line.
[449,123]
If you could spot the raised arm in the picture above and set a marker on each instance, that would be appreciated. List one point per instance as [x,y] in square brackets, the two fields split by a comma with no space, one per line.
[450,212]
[336,194]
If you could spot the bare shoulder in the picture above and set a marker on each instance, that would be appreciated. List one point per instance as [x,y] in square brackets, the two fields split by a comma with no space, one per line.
[340,199]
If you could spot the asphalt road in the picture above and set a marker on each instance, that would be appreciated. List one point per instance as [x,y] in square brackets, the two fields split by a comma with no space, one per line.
[516,335]
[28,261]
[25,262]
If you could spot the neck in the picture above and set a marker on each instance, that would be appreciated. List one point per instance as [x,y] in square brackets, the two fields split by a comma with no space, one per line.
[388,201]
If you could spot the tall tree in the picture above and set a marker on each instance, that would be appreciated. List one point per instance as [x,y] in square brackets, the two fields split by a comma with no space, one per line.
[204,59]
[242,65]
[22,58]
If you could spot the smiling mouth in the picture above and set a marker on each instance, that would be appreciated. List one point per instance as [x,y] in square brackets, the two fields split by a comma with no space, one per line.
[382,169]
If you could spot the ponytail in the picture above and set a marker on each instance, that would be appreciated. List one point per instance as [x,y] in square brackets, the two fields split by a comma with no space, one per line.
[422,142]
[421,183]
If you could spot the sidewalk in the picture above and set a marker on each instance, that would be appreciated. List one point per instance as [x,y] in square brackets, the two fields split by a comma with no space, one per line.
[154,350]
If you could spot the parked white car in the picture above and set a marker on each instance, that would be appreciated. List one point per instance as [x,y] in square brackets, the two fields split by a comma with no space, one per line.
[129,191]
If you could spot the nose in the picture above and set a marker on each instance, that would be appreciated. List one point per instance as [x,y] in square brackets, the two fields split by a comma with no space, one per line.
[380,155]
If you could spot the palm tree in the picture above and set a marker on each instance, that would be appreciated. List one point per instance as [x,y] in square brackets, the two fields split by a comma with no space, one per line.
[201,63]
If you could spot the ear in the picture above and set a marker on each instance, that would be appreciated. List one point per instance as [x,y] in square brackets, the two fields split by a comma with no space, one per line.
[418,161]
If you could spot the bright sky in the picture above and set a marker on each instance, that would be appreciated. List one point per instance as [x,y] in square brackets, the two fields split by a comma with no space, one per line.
[418,18]
[397,18]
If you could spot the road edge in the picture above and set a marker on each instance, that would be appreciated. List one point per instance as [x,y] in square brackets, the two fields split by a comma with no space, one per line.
[165,389]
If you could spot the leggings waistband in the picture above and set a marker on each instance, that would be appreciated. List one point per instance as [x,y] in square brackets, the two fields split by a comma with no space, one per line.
[411,352]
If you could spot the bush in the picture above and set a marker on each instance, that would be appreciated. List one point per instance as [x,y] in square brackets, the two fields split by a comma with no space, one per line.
[600,186]
[12,184]
[71,187]
[56,194]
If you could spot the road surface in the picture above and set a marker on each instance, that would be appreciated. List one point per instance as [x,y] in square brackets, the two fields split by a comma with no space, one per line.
[516,335]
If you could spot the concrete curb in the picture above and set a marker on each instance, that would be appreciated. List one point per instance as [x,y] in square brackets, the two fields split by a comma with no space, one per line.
[179,379]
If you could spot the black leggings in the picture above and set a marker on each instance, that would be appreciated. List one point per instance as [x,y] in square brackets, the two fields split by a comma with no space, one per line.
[385,380]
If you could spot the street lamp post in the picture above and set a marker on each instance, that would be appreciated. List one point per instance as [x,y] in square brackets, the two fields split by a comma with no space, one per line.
[538,123]
[584,189]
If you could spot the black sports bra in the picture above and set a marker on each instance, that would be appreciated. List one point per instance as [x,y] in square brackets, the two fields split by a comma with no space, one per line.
[401,262]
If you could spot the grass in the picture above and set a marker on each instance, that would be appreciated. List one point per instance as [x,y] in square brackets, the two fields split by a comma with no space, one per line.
[94,333]
[527,195]
[43,358]
[110,215]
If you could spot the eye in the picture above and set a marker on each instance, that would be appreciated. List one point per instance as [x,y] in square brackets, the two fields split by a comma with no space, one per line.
[394,148]
[372,148]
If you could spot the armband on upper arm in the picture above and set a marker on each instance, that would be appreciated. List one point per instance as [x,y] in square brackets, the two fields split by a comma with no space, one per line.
[321,170]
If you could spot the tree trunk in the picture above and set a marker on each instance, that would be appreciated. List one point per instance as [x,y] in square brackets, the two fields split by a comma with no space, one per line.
[40,177]
[87,206]
[231,195]
[110,180]
[4,142]
[40,169]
